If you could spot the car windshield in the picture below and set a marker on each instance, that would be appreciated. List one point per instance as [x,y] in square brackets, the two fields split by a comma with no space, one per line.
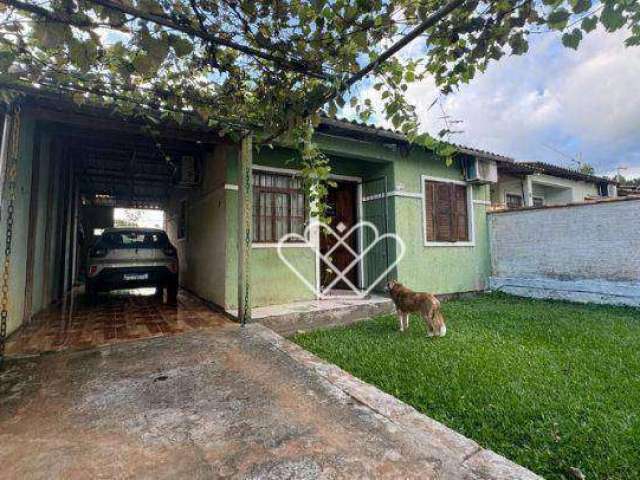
[133,239]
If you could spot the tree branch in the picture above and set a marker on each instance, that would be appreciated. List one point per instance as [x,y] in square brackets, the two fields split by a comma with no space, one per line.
[287,64]
[427,23]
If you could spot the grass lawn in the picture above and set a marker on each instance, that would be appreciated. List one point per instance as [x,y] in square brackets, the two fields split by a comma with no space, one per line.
[550,385]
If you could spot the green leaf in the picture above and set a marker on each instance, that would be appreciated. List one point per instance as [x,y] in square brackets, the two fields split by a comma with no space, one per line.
[580,6]
[51,34]
[518,44]
[572,40]
[612,17]
[180,45]
[150,6]
[589,24]
[557,20]
[79,98]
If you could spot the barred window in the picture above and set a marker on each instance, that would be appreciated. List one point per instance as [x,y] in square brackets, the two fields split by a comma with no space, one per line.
[514,201]
[278,206]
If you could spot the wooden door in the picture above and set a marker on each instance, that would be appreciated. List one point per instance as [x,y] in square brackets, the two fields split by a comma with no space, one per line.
[342,209]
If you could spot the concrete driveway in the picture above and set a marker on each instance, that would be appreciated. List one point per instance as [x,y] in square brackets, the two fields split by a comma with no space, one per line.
[223,402]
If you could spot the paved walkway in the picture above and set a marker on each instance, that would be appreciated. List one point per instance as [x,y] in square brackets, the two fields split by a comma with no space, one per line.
[220,402]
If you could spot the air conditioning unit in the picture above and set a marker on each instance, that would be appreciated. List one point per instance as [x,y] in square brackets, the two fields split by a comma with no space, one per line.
[481,171]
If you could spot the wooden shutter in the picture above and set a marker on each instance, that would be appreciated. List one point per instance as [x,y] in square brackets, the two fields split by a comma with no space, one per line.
[430,212]
[446,214]
[460,213]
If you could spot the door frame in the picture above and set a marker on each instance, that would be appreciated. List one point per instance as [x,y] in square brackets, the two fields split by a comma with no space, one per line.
[360,238]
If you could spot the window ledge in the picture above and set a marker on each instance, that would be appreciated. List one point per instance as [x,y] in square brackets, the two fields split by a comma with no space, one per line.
[449,244]
[284,245]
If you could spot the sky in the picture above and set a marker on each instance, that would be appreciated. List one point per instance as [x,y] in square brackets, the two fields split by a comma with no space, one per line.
[584,104]
[143,218]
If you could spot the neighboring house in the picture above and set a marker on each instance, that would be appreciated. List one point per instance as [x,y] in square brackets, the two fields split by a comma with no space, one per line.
[537,184]
[75,160]
[629,190]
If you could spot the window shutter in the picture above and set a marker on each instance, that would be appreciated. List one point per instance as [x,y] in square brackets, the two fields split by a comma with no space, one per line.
[430,211]
[460,216]
[444,211]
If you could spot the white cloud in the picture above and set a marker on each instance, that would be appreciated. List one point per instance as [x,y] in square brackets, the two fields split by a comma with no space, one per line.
[584,102]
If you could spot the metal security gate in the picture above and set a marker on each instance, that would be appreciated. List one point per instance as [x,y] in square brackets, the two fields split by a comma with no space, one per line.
[375,211]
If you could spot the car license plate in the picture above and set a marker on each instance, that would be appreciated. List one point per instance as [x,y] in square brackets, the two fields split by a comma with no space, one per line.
[136,276]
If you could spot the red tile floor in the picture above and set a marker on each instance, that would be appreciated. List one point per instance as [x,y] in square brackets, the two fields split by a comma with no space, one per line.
[116,317]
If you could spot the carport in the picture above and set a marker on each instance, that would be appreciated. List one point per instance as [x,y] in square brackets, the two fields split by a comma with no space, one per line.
[73,165]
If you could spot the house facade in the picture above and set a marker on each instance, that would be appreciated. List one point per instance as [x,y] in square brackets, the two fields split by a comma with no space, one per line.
[404,190]
[538,184]
[74,164]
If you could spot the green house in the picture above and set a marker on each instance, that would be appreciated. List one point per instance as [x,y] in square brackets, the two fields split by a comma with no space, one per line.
[75,163]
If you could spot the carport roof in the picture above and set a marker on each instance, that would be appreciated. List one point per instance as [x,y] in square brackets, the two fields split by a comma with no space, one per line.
[60,101]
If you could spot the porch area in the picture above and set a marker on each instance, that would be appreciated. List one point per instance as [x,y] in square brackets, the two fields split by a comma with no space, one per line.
[295,317]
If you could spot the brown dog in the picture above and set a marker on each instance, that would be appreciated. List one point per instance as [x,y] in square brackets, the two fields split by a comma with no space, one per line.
[425,304]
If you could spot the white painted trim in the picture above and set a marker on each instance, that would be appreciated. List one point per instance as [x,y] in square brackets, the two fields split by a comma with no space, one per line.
[345,178]
[263,168]
[275,245]
[482,202]
[400,193]
[393,193]
[470,213]
[291,171]
[230,186]
[441,179]
[377,196]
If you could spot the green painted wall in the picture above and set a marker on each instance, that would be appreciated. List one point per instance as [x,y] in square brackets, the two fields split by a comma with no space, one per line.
[202,252]
[272,282]
[435,268]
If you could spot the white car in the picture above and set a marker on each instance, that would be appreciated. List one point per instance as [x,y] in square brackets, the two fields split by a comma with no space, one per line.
[130,257]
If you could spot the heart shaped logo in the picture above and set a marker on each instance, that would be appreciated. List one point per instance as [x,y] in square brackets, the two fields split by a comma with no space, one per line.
[310,238]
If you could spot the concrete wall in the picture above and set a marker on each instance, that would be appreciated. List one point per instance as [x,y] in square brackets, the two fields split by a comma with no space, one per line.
[202,251]
[588,252]
[17,275]
[35,145]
